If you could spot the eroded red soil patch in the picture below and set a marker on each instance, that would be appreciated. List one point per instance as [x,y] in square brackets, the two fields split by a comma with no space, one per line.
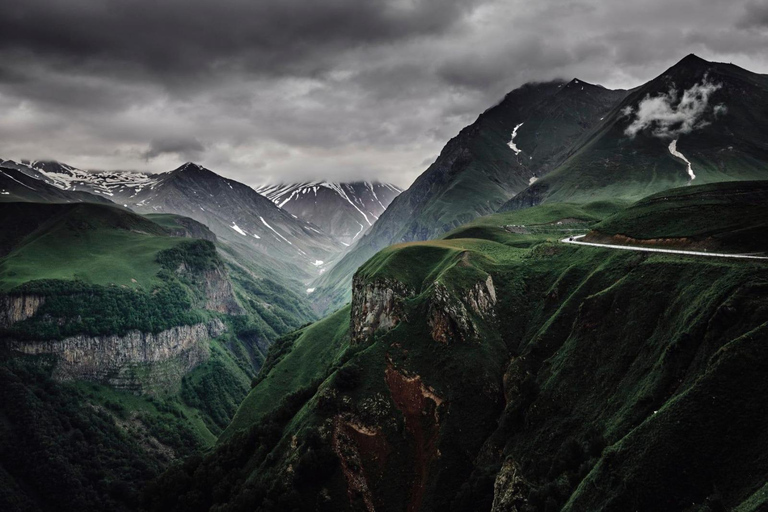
[419,405]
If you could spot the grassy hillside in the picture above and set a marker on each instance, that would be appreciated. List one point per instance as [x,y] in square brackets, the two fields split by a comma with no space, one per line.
[588,379]
[96,244]
[102,270]
[731,215]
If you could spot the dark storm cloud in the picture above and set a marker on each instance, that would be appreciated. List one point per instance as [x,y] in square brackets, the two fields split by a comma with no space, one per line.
[178,40]
[298,89]
[187,149]
[755,15]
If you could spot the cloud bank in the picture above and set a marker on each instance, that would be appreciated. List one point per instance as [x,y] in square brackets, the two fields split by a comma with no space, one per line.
[276,90]
[668,116]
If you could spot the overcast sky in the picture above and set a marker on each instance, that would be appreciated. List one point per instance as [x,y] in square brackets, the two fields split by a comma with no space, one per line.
[285,90]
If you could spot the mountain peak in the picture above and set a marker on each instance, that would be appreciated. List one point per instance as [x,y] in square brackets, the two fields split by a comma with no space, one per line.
[578,84]
[692,58]
[191,166]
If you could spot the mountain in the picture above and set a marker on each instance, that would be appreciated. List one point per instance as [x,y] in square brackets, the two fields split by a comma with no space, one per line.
[343,210]
[66,177]
[698,122]
[16,185]
[500,369]
[234,212]
[126,343]
[508,147]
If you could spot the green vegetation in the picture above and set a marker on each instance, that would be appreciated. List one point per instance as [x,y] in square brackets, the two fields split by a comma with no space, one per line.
[77,308]
[731,215]
[83,446]
[303,357]
[96,244]
[608,380]
[102,270]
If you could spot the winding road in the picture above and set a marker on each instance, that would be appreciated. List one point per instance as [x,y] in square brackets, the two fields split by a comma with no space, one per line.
[574,240]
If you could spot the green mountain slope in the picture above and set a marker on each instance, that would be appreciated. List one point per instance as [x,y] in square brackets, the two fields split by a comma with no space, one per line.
[498,369]
[715,111]
[136,341]
[478,170]
[729,216]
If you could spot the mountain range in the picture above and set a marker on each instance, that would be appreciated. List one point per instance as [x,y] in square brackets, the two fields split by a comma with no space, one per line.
[343,210]
[575,141]
[520,330]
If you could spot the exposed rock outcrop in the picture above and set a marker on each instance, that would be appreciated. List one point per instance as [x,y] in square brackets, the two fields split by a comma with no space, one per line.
[510,489]
[450,317]
[15,308]
[216,289]
[377,305]
[138,361]
[219,294]
[362,452]
[189,228]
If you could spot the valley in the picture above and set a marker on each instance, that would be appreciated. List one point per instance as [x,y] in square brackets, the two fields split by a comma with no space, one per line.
[567,310]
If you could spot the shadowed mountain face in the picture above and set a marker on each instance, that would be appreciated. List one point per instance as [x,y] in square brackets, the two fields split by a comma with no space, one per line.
[698,122]
[507,148]
[343,210]
[234,212]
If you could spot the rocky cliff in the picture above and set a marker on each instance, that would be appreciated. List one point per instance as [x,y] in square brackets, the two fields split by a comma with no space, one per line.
[215,289]
[451,314]
[17,308]
[219,294]
[377,305]
[139,361]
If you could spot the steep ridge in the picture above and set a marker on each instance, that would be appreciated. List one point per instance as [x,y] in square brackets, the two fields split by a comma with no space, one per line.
[116,184]
[16,185]
[698,122]
[500,370]
[479,170]
[343,210]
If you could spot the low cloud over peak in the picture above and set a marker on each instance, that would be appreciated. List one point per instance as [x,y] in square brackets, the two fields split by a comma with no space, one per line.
[671,115]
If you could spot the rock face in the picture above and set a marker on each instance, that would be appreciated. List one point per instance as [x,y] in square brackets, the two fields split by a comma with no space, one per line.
[17,308]
[216,289]
[219,294]
[139,361]
[510,489]
[450,317]
[377,305]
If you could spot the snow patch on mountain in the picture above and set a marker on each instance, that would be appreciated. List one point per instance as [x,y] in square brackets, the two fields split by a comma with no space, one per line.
[511,142]
[275,231]
[66,177]
[675,152]
[237,228]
